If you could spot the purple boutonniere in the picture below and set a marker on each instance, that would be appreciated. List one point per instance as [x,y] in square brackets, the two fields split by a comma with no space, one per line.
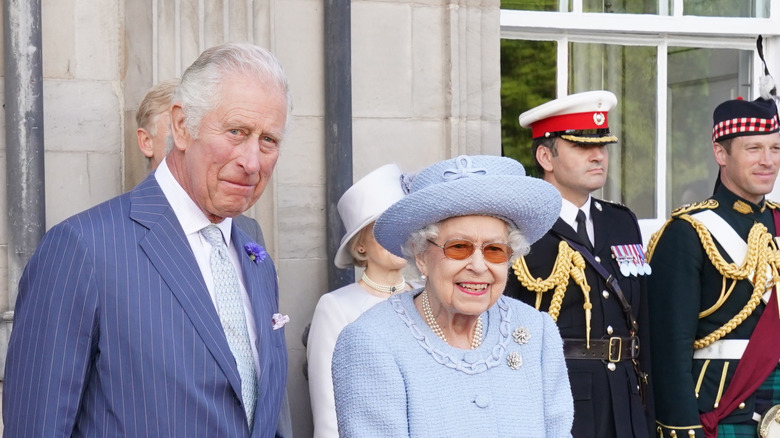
[255,252]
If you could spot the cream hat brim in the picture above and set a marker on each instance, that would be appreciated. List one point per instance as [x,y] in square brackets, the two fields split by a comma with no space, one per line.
[363,203]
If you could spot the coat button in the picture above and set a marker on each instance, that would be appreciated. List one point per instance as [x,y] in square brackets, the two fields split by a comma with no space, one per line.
[610,330]
[598,259]
[482,401]
[742,405]
[605,294]
[611,366]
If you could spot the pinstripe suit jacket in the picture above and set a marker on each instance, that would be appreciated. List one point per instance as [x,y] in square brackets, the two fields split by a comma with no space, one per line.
[115,333]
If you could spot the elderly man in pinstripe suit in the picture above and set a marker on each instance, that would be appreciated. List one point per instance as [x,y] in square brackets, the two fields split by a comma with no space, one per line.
[133,319]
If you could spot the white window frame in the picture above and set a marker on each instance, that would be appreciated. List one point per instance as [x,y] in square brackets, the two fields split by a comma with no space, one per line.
[660,31]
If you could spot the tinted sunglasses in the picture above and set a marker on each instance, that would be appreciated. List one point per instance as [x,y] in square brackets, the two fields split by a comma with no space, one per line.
[461,249]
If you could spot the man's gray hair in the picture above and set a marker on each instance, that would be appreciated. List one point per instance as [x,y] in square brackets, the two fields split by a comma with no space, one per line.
[198,92]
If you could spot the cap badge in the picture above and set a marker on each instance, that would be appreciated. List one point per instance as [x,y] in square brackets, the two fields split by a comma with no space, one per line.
[599,119]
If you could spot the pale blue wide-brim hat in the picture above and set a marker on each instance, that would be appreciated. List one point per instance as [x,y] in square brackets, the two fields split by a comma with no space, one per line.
[481,185]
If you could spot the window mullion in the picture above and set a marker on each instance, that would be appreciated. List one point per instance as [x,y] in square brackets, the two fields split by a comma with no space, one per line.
[661,128]
[562,67]
[677,8]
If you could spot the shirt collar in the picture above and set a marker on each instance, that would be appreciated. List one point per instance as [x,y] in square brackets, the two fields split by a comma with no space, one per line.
[569,211]
[191,218]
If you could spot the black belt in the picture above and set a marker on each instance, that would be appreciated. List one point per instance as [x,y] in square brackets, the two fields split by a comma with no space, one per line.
[614,349]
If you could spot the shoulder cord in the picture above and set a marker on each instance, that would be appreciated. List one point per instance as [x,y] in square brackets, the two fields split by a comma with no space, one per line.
[568,264]
[762,256]
[654,240]
[706,204]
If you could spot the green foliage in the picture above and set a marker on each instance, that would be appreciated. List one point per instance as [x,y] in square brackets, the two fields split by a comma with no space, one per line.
[527,80]
[724,8]
[621,6]
[530,5]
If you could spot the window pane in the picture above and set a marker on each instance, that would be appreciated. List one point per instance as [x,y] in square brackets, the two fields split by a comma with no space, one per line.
[530,5]
[725,8]
[527,79]
[630,73]
[698,80]
[620,6]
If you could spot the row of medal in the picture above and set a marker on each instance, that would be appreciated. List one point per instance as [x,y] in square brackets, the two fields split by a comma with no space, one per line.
[631,259]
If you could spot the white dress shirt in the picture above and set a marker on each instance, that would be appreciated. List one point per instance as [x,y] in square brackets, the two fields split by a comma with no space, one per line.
[569,215]
[192,220]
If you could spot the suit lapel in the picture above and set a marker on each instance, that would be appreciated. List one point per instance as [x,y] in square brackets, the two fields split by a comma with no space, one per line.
[169,252]
[601,227]
[562,228]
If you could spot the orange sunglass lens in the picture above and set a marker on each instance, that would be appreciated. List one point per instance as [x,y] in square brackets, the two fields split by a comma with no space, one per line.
[496,253]
[458,249]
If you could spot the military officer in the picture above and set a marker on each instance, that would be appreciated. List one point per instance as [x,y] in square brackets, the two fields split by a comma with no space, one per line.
[714,264]
[566,272]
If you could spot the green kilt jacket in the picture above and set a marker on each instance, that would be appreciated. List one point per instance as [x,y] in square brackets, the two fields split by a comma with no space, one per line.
[607,400]
[683,284]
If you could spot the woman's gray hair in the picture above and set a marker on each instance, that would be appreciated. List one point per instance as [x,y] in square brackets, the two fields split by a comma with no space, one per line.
[199,90]
[417,242]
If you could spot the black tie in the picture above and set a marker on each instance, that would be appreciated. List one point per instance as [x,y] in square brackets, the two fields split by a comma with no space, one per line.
[582,231]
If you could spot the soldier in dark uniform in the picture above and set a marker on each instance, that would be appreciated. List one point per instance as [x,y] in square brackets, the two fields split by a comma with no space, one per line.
[600,325]
[705,297]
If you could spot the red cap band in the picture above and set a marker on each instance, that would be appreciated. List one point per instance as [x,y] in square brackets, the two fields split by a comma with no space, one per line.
[576,121]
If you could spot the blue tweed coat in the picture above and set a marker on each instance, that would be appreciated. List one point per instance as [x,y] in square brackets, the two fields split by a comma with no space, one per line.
[393,377]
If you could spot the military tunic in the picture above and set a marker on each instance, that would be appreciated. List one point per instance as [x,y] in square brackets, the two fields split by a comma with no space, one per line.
[607,401]
[685,283]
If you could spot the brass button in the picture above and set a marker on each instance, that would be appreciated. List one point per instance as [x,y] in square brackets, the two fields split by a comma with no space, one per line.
[691,433]
[673,433]
[610,330]
[742,405]
[611,366]
[605,294]
[598,259]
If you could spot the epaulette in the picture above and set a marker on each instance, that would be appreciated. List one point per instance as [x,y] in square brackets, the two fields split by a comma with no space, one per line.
[708,204]
[600,203]
[612,203]
[772,205]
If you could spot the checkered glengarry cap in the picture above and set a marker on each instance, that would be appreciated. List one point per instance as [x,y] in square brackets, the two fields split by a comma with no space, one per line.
[579,118]
[735,118]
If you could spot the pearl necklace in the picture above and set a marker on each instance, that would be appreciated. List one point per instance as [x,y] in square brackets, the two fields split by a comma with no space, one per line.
[391,289]
[476,339]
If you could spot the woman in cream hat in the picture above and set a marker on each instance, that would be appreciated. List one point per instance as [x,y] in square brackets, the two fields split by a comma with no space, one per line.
[456,358]
[359,207]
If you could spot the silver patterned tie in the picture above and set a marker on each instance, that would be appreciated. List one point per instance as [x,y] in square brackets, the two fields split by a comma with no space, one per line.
[230,308]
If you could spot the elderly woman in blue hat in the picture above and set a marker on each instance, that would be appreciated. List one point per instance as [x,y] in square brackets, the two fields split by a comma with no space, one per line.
[456,357]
